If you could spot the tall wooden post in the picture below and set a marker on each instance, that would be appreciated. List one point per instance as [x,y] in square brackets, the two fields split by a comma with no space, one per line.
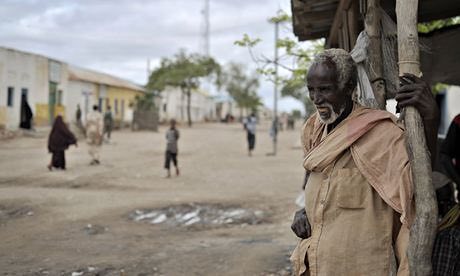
[372,24]
[423,229]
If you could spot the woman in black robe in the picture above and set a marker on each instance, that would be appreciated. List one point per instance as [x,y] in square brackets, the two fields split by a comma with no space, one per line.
[26,114]
[59,140]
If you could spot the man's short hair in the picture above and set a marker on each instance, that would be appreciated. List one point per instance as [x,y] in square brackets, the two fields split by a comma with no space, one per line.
[344,64]
[95,107]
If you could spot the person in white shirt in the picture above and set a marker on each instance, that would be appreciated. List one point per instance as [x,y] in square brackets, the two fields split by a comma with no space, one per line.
[94,134]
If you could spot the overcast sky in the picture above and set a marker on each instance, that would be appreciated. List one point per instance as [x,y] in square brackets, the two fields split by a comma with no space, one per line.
[118,36]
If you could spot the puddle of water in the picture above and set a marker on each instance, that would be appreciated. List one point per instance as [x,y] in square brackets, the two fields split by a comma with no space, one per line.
[201,215]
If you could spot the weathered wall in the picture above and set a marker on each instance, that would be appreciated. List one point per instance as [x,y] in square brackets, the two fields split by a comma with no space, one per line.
[22,71]
[82,93]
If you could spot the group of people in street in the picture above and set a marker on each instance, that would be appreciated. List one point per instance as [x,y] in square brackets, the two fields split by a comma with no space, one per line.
[96,127]
[60,138]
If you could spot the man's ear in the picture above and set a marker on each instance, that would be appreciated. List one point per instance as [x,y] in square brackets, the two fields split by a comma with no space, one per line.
[349,87]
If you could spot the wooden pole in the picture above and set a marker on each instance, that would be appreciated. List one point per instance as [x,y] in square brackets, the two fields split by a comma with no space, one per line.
[423,229]
[372,25]
[353,23]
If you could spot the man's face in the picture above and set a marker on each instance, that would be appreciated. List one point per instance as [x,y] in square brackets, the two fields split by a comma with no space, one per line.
[324,92]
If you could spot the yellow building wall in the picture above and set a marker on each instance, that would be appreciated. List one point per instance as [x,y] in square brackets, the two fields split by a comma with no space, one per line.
[42,114]
[60,110]
[119,94]
[41,117]
[3,117]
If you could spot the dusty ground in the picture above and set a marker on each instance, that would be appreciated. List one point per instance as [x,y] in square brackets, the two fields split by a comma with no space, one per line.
[77,222]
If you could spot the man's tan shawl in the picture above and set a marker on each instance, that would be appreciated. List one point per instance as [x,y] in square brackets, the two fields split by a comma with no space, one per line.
[378,149]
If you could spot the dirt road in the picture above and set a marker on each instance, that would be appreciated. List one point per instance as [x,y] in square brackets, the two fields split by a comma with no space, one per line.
[86,220]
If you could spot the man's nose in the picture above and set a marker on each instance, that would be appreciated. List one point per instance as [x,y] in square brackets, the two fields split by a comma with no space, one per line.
[316,97]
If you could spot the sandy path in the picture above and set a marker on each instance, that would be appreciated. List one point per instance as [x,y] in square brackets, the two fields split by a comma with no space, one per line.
[44,215]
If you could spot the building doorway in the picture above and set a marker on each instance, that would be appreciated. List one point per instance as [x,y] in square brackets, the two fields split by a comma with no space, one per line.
[26,114]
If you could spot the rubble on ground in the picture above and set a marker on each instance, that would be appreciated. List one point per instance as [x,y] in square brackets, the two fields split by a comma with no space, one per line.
[94,229]
[11,211]
[199,215]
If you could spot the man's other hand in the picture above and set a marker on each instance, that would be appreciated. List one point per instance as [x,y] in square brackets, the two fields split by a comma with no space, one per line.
[417,93]
[300,224]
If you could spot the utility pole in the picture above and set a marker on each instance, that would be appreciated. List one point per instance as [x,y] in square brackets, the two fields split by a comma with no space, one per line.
[205,40]
[206,28]
[275,92]
[148,70]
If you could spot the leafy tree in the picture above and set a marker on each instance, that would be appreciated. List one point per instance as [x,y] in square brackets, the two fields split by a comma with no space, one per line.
[184,71]
[299,57]
[437,24]
[241,86]
[145,102]
[296,114]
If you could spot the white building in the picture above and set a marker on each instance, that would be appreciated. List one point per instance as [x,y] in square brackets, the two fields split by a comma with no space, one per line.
[53,88]
[449,101]
[226,105]
[174,106]
[41,81]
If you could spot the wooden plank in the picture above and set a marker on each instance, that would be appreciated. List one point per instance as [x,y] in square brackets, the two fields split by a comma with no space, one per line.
[353,12]
[334,32]
[372,26]
[340,38]
[423,229]
[345,30]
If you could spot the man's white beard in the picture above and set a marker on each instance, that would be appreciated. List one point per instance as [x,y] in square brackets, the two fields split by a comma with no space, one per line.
[333,115]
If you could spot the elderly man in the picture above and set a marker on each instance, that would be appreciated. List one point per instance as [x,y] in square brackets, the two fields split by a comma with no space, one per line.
[359,194]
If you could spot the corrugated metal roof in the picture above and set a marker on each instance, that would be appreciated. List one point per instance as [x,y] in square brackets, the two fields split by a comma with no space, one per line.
[313,19]
[80,74]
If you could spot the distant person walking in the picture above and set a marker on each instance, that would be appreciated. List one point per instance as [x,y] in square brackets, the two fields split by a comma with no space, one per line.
[250,127]
[94,134]
[78,120]
[78,115]
[108,122]
[172,135]
[59,140]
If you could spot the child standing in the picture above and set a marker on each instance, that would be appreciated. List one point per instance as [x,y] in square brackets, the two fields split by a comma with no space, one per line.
[172,135]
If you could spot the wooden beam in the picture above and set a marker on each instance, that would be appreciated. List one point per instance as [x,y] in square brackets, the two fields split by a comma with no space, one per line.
[423,229]
[353,12]
[345,30]
[372,25]
[334,32]
[340,38]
